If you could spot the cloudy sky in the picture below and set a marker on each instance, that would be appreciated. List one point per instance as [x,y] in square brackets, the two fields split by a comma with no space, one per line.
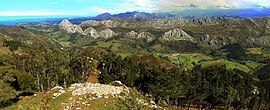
[94,7]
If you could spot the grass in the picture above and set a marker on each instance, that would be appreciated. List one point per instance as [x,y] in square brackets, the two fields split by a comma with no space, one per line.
[266,52]
[124,55]
[185,59]
[44,101]
[41,101]
[254,51]
[113,45]
[252,65]
[229,65]
[188,59]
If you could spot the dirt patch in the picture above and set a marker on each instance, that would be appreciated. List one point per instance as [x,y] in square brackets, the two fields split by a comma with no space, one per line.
[93,77]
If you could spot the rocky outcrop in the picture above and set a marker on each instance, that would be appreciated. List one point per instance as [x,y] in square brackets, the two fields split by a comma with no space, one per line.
[261,41]
[143,35]
[107,33]
[177,34]
[105,23]
[97,89]
[91,32]
[267,27]
[205,38]
[70,28]
[132,34]
[165,23]
[147,36]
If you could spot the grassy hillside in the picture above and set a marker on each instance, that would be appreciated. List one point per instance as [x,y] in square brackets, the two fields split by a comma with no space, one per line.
[229,65]
[59,99]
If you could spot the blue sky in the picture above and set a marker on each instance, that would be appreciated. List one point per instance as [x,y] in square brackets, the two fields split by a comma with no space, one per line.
[94,7]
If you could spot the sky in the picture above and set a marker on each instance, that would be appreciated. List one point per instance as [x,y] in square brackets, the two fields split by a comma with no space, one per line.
[95,7]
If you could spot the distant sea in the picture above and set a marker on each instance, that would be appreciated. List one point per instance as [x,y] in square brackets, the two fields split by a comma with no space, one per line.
[10,20]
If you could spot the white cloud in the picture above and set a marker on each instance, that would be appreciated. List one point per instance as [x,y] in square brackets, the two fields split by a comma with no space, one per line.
[27,13]
[180,5]
[97,9]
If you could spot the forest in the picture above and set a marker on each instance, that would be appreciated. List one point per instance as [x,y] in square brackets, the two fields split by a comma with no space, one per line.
[40,68]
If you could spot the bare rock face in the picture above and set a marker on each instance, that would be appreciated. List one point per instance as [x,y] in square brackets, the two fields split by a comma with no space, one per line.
[267,27]
[132,34]
[205,38]
[177,34]
[91,32]
[147,36]
[261,41]
[107,33]
[69,27]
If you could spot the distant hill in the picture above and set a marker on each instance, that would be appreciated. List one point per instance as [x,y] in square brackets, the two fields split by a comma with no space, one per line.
[135,15]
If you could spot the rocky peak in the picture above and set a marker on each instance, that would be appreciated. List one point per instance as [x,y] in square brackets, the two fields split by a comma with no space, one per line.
[65,22]
[132,34]
[146,35]
[177,34]
[70,28]
[107,33]
[91,31]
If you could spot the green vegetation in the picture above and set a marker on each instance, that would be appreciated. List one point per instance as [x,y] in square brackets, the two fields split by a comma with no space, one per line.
[252,65]
[186,60]
[111,45]
[13,45]
[254,51]
[229,65]
[203,87]
[197,75]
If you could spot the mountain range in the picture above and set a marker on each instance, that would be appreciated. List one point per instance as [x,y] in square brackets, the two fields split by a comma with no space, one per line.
[135,15]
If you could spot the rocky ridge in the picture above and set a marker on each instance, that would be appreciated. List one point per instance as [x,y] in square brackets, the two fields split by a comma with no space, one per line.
[83,93]
[210,31]
[69,27]
[177,34]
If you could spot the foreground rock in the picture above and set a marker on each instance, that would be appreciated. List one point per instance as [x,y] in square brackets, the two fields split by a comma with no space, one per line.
[97,89]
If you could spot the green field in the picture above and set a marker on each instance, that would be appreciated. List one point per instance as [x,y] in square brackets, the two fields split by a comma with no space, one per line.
[188,61]
[113,45]
[254,51]
[252,65]
[229,65]
[185,60]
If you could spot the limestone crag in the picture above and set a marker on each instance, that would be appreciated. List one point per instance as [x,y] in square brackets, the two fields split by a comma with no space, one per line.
[261,41]
[143,35]
[147,36]
[107,33]
[177,34]
[132,34]
[91,32]
[69,27]
[98,89]
[165,23]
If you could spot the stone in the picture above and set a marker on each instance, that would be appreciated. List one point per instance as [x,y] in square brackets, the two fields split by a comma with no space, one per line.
[68,27]
[177,34]
[107,33]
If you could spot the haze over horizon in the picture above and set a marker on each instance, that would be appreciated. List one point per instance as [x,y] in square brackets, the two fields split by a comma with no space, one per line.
[199,8]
